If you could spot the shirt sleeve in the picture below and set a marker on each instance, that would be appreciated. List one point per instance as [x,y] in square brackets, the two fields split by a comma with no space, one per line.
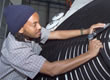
[44,35]
[25,61]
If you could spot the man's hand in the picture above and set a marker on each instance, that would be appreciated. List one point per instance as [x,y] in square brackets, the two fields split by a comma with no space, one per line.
[94,47]
[94,26]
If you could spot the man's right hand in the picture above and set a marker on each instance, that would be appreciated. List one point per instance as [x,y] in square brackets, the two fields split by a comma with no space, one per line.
[94,47]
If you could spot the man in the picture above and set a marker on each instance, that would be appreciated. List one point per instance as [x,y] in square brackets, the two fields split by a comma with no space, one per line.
[20,52]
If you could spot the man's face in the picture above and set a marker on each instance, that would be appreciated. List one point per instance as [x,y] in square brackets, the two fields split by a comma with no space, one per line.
[32,27]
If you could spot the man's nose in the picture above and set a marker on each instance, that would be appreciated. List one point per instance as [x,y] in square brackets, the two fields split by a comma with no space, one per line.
[38,26]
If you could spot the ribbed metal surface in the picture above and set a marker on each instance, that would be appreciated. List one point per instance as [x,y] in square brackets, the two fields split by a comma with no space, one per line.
[96,69]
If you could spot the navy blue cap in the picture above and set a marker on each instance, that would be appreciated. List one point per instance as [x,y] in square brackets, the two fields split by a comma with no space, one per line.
[16,16]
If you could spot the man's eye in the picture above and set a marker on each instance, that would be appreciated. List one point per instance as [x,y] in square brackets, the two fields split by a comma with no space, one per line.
[34,25]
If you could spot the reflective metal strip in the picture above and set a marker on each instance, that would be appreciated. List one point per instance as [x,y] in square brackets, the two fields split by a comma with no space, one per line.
[97,70]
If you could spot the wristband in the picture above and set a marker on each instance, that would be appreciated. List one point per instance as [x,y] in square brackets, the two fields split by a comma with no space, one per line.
[81,31]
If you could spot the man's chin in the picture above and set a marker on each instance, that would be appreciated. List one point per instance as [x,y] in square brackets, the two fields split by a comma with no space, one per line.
[38,36]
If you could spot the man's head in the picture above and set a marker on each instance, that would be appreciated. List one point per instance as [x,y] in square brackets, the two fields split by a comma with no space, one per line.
[32,27]
[23,19]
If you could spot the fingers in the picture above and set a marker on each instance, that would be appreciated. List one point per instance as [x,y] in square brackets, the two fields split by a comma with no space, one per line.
[97,43]
[98,25]
[94,47]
